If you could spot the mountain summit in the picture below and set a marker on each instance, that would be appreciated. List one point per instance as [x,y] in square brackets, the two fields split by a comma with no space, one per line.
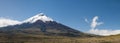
[8,22]
[37,17]
[40,24]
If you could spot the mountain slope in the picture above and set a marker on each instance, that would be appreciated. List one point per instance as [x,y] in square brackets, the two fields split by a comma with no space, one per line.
[41,24]
[49,31]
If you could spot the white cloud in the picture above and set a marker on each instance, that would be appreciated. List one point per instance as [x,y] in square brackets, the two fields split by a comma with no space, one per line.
[5,22]
[93,29]
[104,32]
[86,20]
[95,23]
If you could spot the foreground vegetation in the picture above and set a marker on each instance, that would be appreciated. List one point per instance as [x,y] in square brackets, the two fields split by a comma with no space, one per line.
[28,38]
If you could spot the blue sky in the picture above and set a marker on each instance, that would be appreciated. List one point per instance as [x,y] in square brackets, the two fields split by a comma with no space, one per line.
[68,12]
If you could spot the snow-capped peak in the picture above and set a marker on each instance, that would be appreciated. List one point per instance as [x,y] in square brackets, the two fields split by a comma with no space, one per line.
[37,17]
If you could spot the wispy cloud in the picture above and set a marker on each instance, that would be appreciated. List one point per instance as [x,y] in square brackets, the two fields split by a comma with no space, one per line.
[86,20]
[6,22]
[103,32]
[95,23]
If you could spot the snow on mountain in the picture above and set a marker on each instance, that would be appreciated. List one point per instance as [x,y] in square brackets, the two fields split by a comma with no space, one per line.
[6,22]
[37,17]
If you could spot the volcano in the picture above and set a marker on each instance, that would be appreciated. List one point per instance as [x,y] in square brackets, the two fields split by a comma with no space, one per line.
[41,24]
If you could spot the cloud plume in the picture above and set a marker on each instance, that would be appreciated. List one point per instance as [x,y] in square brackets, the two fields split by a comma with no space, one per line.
[102,32]
[5,22]
[95,23]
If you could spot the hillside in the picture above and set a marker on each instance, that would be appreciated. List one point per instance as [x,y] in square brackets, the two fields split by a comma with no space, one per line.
[42,29]
[39,28]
